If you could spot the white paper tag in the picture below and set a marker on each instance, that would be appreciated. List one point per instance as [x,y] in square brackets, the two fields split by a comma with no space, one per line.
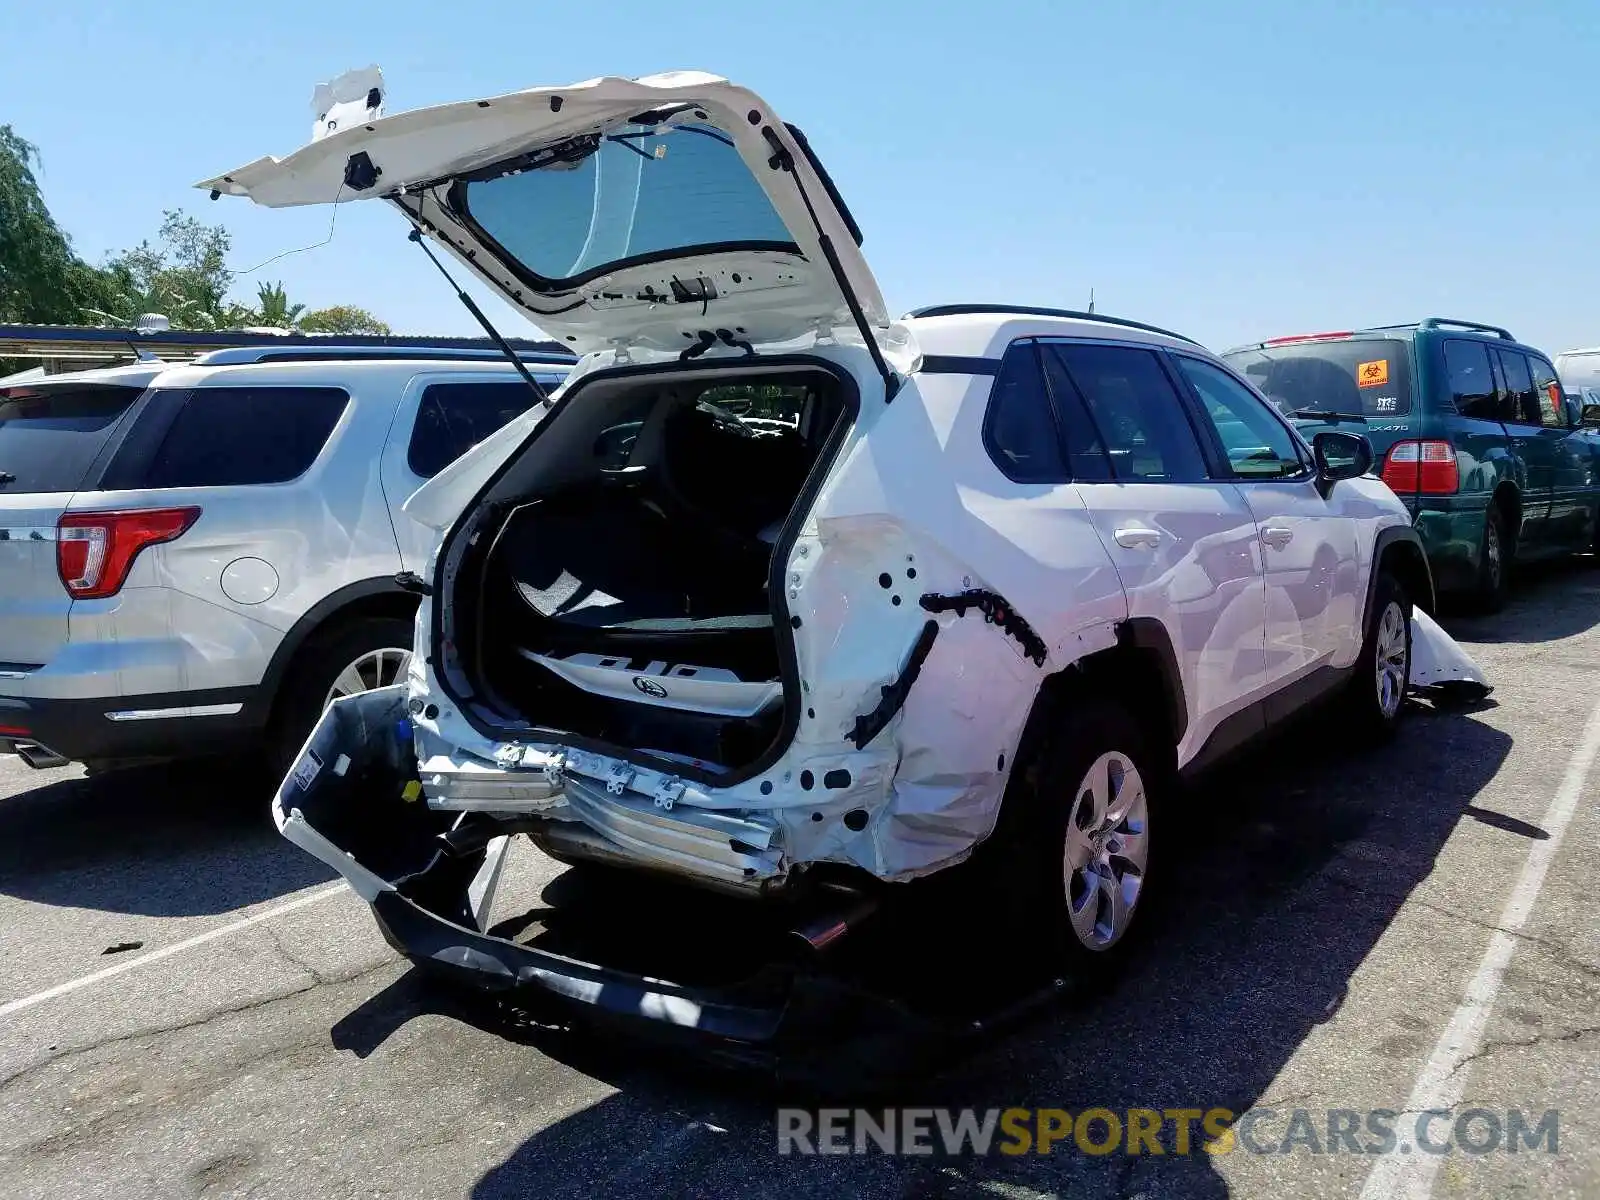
[306,769]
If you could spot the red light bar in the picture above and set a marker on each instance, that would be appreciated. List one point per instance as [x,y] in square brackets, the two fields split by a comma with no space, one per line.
[15,731]
[1308,337]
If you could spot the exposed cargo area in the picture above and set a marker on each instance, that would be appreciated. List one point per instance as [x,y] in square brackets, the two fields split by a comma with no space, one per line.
[623,582]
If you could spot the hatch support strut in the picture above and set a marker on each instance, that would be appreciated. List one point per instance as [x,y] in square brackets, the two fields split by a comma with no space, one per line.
[783,160]
[471,306]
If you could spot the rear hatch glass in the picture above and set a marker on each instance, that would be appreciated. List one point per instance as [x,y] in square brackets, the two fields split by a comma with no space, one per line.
[1318,380]
[50,436]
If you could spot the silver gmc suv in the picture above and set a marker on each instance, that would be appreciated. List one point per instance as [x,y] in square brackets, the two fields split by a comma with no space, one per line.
[198,558]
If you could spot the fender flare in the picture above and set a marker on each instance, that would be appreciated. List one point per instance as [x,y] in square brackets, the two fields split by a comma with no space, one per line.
[1149,634]
[1387,539]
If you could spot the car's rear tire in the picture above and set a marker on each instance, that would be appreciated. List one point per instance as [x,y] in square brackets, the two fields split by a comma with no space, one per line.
[1496,553]
[1070,858]
[373,651]
[1376,693]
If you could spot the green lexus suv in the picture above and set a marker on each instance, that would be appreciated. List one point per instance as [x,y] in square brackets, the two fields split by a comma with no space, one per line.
[1471,428]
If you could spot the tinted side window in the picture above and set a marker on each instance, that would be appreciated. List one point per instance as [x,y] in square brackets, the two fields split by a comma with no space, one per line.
[1471,381]
[49,437]
[454,417]
[1086,453]
[1548,393]
[237,436]
[1257,444]
[1135,410]
[1517,401]
[1018,427]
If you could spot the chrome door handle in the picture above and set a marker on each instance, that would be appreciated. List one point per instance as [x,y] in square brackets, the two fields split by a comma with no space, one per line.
[1130,536]
[1277,536]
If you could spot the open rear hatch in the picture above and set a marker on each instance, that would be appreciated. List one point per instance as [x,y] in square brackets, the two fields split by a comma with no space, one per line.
[660,213]
[617,577]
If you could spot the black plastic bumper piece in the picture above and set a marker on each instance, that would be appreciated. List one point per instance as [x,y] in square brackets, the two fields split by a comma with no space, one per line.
[513,970]
[80,729]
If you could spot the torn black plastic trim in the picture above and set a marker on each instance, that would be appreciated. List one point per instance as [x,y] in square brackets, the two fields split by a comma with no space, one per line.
[997,611]
[869,725]
[496,965]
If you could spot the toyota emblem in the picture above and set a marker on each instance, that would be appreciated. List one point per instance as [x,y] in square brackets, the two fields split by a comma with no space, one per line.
[650,687]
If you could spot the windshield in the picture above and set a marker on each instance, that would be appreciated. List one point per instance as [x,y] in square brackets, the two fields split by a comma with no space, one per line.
[1364,377]
[49,437]
[639,192]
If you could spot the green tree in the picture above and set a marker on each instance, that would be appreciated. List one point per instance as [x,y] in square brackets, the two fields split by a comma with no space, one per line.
[41,279]
[342,318]
[273,307]
[183,276]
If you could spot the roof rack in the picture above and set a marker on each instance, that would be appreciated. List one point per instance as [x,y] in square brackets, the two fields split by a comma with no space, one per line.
[1439,322]
[957,310]
[264,354]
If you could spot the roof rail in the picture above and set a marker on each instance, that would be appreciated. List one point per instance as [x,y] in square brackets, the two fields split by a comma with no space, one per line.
[243,355]
[957,310]
[1439,322]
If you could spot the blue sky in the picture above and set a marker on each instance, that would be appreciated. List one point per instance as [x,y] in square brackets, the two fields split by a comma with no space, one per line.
[1233,170]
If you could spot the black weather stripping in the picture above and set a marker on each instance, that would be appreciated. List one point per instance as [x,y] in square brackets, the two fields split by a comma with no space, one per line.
[870,725]
[996,611]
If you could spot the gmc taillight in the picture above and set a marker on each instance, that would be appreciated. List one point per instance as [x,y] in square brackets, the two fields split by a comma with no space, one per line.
[1426,466]
[95,550]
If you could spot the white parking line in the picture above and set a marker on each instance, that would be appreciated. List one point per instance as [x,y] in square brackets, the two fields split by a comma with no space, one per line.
[128,964]
[1440,1086]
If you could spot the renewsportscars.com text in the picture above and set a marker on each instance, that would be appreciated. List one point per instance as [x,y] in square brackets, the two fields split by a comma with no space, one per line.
[1100,1131]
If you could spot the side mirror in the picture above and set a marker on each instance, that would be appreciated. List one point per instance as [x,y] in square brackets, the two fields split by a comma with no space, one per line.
[1341,456]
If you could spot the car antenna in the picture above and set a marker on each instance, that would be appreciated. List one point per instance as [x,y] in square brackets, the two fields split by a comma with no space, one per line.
[471,306]
[1090,309]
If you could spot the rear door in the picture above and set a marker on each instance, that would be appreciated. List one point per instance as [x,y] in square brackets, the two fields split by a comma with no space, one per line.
[1184,545]
[1536,447]
[50,436]
[1573,489]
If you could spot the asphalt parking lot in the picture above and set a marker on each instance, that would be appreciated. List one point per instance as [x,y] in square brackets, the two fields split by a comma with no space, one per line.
[188,1006]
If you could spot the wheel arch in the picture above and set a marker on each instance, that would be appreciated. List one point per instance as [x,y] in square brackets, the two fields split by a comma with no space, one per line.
[1509,498]
[353,602]
[1142,666]
[1398,551]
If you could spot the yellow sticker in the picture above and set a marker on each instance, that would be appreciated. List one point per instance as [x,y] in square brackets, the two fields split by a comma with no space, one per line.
[1372,374]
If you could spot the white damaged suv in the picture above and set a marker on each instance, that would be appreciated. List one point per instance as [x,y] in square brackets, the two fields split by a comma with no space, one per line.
[783,597]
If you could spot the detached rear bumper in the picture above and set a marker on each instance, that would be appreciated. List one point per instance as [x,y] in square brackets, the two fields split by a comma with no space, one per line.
[430,879]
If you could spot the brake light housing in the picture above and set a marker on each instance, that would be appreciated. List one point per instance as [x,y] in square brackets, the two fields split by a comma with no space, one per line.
[96,550]
[1423,467]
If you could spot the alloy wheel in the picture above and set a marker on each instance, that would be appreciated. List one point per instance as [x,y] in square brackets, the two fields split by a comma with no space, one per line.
[1107,849]
[374,669]
[1392,659]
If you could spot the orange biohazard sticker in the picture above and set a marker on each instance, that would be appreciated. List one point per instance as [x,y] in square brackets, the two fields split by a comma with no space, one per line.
[1372,374]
